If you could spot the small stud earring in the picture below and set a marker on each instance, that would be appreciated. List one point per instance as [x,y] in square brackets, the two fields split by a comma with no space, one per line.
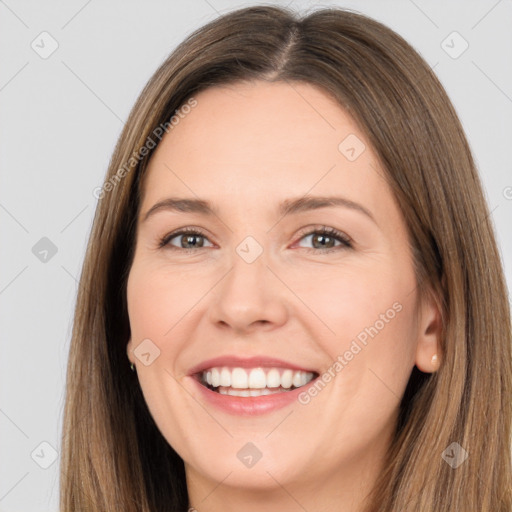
[132,367]
[434,360]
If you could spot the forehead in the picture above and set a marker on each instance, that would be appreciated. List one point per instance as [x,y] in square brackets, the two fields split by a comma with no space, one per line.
[264,140]
[235,118]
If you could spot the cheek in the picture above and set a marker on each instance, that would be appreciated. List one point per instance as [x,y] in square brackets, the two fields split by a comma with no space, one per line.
[156,304]
[146,305]
[350,300]
[367,320]
[158,299]
[372,355]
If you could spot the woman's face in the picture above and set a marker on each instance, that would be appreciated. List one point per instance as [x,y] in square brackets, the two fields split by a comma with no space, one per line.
[296,266]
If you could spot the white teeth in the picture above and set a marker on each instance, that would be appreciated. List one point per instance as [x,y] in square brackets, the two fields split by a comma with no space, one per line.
[273,378]
[257,379]
[286,379]
[259,392]
[297,379]
[225,377]
[248,392]
[254,381]
[239,378]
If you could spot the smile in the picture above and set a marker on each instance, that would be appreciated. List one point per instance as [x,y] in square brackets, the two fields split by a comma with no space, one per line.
[252,382]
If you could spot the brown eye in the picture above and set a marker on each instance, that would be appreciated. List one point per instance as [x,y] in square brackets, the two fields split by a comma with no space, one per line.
[322,241]
[184,239]
[326,238]
[190,241]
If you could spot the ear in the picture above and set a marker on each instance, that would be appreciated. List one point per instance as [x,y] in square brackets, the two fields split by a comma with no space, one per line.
[129,351]
[428,350]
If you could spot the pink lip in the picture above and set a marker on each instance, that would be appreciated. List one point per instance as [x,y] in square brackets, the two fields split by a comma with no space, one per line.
[249,362]
[250,405]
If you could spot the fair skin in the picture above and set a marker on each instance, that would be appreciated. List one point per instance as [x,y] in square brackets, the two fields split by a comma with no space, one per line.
[245,148]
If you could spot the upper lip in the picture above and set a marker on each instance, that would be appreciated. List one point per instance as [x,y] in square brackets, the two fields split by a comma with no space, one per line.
[246,362]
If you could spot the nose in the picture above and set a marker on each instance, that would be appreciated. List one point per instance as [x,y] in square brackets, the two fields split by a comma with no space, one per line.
[249,297]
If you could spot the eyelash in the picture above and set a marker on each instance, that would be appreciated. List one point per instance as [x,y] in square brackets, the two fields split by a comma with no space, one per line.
[346,242]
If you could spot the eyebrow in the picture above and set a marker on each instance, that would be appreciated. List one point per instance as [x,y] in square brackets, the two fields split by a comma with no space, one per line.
[287,207]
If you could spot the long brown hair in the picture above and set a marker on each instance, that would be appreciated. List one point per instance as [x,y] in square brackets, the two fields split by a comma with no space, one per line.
[113,455]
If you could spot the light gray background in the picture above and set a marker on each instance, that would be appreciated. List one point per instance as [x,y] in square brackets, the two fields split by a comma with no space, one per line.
[60,118]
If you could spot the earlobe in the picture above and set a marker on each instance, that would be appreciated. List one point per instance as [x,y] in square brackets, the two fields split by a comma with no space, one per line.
[428,351]
[129,351]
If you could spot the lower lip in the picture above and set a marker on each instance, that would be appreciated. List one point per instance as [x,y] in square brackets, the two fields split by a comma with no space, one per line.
[250,405]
